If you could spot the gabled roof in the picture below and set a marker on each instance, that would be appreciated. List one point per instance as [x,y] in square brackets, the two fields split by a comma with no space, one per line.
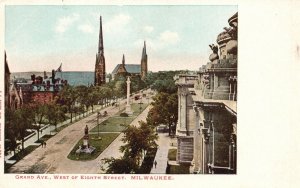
[131,68]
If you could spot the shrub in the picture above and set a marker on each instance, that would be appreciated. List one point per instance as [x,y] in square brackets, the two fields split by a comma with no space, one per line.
[124,114]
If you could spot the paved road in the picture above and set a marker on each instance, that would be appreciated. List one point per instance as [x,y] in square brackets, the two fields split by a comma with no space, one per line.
[53,158]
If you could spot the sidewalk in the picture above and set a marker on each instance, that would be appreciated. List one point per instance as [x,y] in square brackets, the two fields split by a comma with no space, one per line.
[161,157]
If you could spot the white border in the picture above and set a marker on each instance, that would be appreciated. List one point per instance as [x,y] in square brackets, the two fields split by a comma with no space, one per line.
[268,104]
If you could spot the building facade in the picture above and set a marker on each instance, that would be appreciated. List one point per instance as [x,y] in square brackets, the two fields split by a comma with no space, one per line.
[207,113]
[7,81]
[100,77]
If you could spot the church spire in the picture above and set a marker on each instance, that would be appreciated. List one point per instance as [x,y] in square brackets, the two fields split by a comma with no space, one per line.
[100,77]
[144,66]
[144,53]
[123,60]
[100,45]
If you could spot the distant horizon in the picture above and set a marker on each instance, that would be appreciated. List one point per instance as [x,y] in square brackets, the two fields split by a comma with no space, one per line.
[94,71]
[177,36]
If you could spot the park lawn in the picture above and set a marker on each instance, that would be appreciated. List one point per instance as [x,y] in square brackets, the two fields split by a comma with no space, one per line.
[172,154]
[113,124]
[99,144]
[135,107]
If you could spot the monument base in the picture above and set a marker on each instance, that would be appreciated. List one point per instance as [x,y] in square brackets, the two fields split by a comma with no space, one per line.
[128,110]
[88,150]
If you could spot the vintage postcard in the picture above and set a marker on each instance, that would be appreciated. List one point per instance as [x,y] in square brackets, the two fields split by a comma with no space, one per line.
[131,94]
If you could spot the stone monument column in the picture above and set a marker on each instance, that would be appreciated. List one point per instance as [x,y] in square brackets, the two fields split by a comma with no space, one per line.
[128,107]
[86,137]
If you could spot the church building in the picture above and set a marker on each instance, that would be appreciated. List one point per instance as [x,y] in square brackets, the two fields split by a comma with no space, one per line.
[100,61]
[132,69]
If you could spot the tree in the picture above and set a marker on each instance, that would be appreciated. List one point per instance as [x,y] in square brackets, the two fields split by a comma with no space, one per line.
[137,141]
[67,97]
[93,97]
[24,120]
[166,86]
[40,112]
[82,96]
[120,166]
[164,110]
[55,114]
[10,132]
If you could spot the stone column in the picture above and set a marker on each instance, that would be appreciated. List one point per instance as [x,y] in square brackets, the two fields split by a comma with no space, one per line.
[197,142]
[128,107]
[205,150]
[232,153]
[179,105]
[213,144]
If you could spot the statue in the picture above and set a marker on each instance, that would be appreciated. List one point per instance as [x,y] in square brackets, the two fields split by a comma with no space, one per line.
[86,130]
[232,45]
[214,48]
[232,31]
[85,147]
[214,56]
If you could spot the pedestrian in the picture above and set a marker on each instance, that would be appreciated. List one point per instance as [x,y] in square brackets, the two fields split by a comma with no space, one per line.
[45,144]
[41,131]
[155,163]
[42,144]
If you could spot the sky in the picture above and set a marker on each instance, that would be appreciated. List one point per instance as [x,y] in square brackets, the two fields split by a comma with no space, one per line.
[41,37]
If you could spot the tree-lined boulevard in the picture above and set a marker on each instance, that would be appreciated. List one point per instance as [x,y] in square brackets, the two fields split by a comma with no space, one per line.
[82,102]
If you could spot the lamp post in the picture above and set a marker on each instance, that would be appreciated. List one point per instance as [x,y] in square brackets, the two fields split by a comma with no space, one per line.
[98,114]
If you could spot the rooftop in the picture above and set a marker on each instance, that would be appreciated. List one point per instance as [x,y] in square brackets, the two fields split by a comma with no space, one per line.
[131,68]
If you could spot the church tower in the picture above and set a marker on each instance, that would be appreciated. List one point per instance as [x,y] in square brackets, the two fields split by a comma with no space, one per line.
[100,60]
[144,68]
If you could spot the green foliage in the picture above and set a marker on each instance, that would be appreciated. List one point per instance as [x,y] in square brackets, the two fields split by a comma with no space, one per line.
[67,97]
[164,110]
[113,124]
[166,86]
[137,84]
[55,114]
[25,152]
[23,119]
[40,112]
[123,165]
[148,161]
[162,81]
[124,114]
[137,141]
[10,132]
